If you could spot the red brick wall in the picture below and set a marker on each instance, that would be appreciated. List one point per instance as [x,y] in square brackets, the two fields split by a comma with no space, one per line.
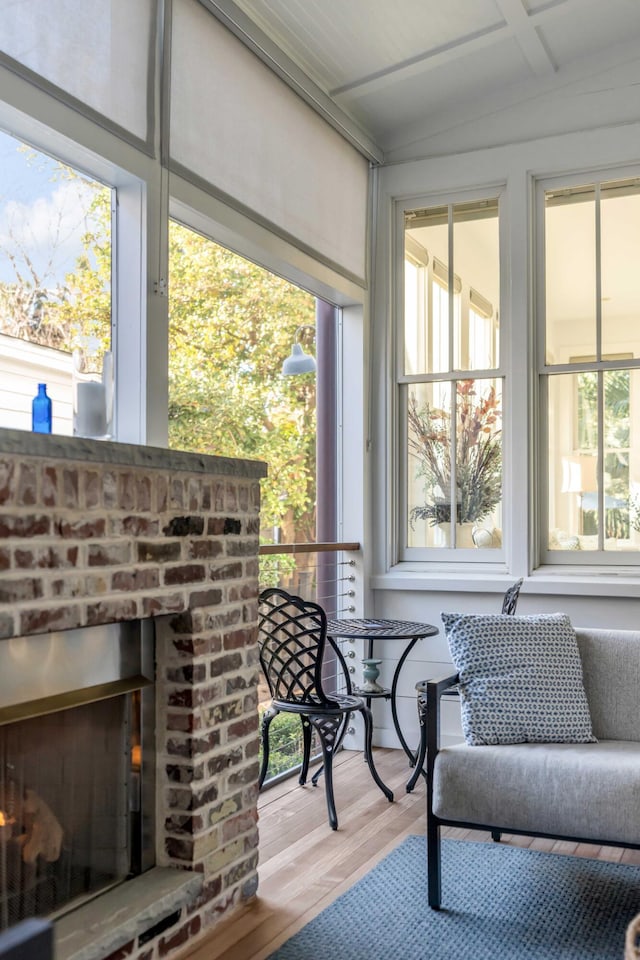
[82,543]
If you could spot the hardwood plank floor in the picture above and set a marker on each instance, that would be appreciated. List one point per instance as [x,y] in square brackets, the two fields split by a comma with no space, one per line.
[304,865]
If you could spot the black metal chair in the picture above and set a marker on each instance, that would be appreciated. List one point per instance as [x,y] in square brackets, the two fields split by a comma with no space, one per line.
[292,637]
[509,604]
[510,601]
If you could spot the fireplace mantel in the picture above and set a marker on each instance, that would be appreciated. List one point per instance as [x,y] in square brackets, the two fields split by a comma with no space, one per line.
[96,532]
[110,453]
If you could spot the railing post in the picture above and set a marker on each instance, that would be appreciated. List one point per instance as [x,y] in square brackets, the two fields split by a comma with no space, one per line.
[326,464]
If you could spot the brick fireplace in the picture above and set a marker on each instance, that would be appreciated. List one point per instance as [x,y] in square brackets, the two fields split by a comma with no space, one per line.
[97,532]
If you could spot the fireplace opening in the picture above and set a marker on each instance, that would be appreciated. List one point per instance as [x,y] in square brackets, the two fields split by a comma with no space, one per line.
[77,759]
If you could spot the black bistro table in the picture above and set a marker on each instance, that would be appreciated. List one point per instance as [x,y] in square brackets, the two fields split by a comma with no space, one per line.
[372,630]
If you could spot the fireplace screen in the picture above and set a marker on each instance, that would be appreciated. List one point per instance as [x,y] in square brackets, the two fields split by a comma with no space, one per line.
[73,802]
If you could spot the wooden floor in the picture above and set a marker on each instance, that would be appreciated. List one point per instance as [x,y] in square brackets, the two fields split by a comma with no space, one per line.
[304,865]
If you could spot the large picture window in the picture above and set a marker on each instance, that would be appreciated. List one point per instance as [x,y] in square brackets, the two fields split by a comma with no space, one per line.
[591,368]
[450,380]
[55,292]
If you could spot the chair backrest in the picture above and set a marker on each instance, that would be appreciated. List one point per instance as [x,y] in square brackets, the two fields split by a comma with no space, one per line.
[292,635]
[510,601]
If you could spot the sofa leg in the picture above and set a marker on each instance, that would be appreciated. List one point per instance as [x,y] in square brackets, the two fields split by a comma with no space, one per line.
[496,836]
[433,862]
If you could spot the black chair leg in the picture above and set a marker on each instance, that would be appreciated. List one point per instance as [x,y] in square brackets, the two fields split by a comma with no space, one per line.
[434,866]
[422,749]
[368,753]
[306,749]
[267,717]
[327,728]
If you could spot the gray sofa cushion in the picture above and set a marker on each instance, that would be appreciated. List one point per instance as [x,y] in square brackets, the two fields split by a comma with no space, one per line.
[584,790]
[611,676]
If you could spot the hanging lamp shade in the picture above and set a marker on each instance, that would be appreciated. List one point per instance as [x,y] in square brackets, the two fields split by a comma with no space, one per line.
[298,361]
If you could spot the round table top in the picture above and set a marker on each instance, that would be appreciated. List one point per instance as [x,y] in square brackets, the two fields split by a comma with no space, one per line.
[379,628]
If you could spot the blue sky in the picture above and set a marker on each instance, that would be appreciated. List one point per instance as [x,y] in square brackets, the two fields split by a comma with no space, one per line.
[40,215]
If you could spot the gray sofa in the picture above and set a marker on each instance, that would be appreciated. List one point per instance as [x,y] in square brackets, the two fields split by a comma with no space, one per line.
[577,791]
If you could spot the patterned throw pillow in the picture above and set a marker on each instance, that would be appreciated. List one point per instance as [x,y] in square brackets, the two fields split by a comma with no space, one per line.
[520,678]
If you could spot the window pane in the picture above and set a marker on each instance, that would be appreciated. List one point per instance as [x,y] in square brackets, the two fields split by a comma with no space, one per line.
[231,326]
[576,521]
[55,291]
[476,258]
[620,245]
[477,475]
[618,387]
[426,326]
[474,285]
[415,360]
[570,274]
[573,448]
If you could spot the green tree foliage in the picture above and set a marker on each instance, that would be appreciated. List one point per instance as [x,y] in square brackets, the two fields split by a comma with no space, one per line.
[231,325]
[285,744]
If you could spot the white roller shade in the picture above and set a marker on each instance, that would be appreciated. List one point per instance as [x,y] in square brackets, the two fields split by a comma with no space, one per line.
[98,51]
[240,128]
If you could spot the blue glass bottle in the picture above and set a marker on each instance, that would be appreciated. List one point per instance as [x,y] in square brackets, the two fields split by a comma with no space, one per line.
[41,411]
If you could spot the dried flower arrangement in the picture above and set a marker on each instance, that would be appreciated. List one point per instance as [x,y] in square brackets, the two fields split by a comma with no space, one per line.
[478,455]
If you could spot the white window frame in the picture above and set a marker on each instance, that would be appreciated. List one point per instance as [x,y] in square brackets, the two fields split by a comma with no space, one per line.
[557,557]
[491,558]
[128,279]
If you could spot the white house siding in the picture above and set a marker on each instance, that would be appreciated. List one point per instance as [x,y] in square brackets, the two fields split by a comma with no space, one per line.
[23,366]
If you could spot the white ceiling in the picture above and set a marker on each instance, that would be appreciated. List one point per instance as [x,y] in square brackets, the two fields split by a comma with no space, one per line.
[406,72]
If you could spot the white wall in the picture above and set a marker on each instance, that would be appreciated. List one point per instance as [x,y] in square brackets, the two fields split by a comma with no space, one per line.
[413,591]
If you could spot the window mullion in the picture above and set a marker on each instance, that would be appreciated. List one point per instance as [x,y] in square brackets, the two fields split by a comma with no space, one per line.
[600,399]
[450,286]
[600,460]
[454,447]
[598,290]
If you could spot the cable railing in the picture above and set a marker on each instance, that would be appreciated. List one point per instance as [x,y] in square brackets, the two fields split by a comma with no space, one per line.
[325,573]
[329,579]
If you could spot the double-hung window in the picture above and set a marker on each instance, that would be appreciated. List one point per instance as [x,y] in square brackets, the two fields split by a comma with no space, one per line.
[589,309]
[450,382]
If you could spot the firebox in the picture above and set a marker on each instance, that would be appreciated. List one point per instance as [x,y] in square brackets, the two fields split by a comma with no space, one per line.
[77,766]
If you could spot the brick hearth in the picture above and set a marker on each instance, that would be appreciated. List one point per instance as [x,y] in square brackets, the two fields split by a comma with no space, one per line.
[94,532]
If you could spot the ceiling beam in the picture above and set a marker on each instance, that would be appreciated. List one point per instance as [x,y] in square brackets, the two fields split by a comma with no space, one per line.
[517,24]
[423,62]
[527,37]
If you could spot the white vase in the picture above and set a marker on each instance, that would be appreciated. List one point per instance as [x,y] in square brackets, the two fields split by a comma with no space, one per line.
[464,534]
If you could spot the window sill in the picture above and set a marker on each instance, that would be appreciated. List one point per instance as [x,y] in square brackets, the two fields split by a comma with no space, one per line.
[548,580]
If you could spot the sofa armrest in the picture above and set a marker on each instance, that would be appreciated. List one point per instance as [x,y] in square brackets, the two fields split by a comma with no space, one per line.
[434,689]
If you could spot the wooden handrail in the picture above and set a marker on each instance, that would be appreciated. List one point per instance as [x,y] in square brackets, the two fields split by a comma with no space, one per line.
[271,548]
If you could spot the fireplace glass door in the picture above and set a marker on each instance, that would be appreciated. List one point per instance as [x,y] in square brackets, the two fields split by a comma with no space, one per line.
[76,768]
[68,784]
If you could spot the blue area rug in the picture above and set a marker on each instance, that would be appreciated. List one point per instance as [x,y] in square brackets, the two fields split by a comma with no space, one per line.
[498,903]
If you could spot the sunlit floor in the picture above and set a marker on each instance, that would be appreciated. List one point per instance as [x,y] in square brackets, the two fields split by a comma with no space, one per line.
[304,865]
